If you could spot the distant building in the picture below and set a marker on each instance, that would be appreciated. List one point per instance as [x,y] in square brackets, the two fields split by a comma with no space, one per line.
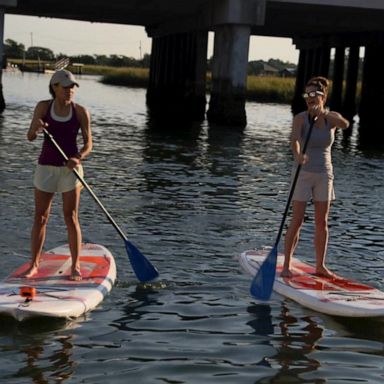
[287,72]
[268,70]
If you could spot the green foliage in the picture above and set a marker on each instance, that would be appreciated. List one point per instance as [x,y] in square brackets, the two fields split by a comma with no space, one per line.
[111,60]
[39,53]
[13,49]
[255,67]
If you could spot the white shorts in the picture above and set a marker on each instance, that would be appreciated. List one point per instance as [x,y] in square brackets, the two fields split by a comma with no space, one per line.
[318,186]
[49,178]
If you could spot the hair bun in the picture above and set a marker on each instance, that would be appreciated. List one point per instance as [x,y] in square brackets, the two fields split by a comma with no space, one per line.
[318,81]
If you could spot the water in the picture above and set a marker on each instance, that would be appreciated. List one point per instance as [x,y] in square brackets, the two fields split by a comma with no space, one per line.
[191,198]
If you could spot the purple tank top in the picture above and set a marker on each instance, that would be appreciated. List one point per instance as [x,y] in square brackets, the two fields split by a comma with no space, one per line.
[65,133]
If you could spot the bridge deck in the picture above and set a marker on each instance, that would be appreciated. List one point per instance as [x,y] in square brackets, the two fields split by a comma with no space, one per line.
[284,18]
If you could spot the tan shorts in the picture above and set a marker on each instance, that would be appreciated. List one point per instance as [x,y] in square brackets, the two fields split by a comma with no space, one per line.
[49,178]
[319,186]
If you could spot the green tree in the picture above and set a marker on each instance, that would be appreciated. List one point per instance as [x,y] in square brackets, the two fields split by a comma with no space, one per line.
[279,64]
[13,49]
[255,67]
[145,62]
[84,59]
[36,53]
[101,59]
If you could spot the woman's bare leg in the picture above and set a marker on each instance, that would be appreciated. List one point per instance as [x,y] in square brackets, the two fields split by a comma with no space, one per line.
[292,235]
[321,237]
[43,203]
[71,201]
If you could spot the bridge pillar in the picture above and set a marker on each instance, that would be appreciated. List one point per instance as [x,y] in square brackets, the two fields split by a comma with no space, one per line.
[2,59]
[177,77]
[372,93]
[232,20]
[321,61]
[229,75]
[337,81]
[349,107]
[298,103]
[310,64]
[325,61]
[313,61]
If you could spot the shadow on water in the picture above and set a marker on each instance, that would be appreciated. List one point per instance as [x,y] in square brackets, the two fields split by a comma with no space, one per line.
[141,298]
[262,322]
[362,328]
[363,139]
[165,140]
[225,138]
[34,325]
[46,348]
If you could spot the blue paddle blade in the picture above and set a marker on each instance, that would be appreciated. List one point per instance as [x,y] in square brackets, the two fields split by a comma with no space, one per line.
[142,267]
[262,283]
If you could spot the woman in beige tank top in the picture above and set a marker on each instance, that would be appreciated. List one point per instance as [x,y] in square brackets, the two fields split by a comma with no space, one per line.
[316,176]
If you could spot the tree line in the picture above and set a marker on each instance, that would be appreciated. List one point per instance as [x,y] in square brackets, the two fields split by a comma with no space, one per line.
[17,50]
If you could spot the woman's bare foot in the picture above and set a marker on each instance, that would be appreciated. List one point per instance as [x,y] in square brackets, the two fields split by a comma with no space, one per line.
[286,273]
[31,271]
[325,272]
[75,275]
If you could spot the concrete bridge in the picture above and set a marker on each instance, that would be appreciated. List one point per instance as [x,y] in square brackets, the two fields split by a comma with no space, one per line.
[179,32]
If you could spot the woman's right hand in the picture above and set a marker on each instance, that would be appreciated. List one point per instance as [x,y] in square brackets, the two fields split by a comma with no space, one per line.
[36,127]
[301,158]
[39,126]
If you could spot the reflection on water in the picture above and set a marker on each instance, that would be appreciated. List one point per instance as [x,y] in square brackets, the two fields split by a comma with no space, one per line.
[42,348]
[294,340]
[191,197]
[298,339]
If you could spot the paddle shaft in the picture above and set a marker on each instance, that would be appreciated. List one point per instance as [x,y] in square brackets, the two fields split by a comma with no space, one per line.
[313,120]
[86,186]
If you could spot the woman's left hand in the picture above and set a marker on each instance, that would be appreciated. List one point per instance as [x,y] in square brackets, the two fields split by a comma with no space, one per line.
[73,162]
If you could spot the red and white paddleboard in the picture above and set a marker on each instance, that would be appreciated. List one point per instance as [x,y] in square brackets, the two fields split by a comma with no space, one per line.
[338,297]
[51,293]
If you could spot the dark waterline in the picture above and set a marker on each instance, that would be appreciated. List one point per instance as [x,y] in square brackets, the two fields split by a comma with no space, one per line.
[191,199]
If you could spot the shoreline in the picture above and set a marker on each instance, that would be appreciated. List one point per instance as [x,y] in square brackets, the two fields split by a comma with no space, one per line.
[264,89]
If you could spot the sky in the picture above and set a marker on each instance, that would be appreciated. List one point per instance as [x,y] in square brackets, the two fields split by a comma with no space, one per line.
[79,37]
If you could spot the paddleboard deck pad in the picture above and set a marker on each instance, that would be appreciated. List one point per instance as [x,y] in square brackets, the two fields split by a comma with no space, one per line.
[51,292]
[338,297]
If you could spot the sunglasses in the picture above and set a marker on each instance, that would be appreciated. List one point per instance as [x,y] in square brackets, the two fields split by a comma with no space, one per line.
[306,95]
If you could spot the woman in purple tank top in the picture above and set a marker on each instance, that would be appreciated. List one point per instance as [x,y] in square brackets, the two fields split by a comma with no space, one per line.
[63,119]
[315,179]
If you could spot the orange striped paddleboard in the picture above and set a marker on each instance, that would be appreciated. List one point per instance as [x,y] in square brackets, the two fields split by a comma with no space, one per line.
[51,292]
[339,297]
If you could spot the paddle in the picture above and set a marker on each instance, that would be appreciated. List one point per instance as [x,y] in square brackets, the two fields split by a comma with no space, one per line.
[262,283]
[142,267]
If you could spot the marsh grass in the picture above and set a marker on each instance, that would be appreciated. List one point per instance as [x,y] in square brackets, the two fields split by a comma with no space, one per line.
[270,89]
[129,77]
[264,89]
